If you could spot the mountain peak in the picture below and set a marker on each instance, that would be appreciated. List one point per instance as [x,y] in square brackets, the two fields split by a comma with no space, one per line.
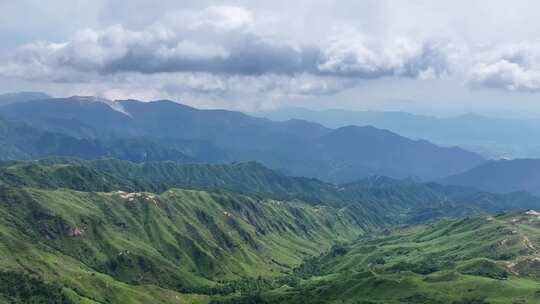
[113,104]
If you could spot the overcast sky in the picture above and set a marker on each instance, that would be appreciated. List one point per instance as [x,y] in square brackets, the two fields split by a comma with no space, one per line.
[417,56]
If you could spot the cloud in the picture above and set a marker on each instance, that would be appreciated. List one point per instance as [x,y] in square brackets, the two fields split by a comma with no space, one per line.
[514,67]
[220,40]
[220,18]
[507,75]
[355,56]
[232,53]
[313,53]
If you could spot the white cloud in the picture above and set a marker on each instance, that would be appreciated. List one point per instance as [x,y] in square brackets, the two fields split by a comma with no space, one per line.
[233,53]
[221,40]
[355,55]
[225,18]
[514,67]
[218,52]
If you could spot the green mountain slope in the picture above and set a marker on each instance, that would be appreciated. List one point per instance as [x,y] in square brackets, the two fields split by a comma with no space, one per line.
[182,240]
[109,231]
[394,200]
[111,174]
[473,260]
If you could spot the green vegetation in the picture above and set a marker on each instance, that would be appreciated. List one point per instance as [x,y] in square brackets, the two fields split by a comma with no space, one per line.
[473,260]
[392,201]
[21,288]
[109,231]
[183,241]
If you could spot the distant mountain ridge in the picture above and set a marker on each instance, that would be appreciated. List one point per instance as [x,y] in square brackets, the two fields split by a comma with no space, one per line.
[9,98]
[298,147]
[501,176]
[21,141]
[492,137]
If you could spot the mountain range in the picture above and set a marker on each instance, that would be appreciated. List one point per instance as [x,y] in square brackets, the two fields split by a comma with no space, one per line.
[91,127]
[501,176]
[491,137]
[140,202]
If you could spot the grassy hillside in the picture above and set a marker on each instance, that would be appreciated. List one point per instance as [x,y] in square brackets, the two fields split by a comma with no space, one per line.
[396,200]
[111,174]
[116,246]
[111,231]
[472,260]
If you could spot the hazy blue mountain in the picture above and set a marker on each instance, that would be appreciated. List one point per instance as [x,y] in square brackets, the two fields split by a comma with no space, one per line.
[501,176]
[298,147]
[492,137]
[21,97]
[21,141]
[81,117]
[347,153]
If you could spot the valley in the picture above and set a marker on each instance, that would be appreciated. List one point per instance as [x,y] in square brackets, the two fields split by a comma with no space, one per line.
[491,259]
